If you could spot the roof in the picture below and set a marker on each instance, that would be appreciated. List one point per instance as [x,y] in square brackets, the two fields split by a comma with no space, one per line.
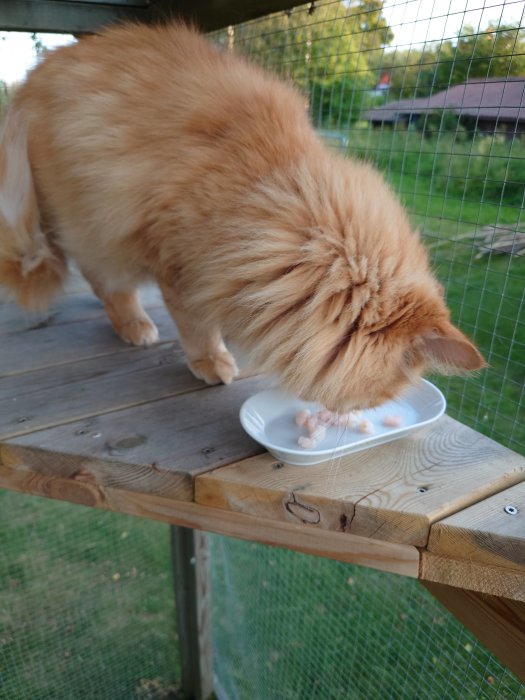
[78,16]
[491,98]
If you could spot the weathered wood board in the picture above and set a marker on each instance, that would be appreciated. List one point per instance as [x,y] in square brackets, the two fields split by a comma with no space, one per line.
[157,447]
[385,556]
[77,390]
[486,532]
[67,16]
[72,307]
[81,16]
[45,346]
[393,492]
[86,418]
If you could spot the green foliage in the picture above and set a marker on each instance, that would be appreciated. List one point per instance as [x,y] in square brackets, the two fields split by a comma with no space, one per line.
[440,121]
[325,48]
[484,168]
[492,53]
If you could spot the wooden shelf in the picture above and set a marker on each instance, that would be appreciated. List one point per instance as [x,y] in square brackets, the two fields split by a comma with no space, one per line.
[86,418]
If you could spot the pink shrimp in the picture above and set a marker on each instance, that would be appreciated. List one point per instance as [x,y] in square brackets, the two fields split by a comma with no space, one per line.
[366,426]
[302,417]
[392,421]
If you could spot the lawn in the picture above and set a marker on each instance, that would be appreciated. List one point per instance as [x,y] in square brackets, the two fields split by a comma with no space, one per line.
[86,603]
[86,606]
[87,612]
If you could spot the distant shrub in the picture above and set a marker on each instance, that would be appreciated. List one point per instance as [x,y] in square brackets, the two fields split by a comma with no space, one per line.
[488,168]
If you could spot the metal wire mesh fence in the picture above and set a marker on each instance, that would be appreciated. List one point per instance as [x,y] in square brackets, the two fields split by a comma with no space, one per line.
[86,604]
[292,627]
[433,94]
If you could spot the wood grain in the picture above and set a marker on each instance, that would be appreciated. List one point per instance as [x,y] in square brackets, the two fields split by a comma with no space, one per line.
[472,576]
[78,390]
[48,346]
[156,447]
[484,532]
[393,492]
[497,622]
[72,307]
[399,559]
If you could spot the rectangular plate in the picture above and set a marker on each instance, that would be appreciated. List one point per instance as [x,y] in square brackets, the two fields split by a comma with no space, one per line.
[269,418]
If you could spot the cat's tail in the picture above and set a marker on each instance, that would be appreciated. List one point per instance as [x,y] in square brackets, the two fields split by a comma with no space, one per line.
[30,268]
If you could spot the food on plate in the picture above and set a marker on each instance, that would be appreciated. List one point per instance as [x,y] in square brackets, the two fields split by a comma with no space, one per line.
[366,427]
[317,423]
[392,421]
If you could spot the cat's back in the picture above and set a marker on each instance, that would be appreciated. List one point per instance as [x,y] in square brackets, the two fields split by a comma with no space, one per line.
[128,60]
[159,76]
[158,95]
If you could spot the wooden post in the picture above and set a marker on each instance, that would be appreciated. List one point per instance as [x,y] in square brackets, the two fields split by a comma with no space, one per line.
[193,610]
[498,623]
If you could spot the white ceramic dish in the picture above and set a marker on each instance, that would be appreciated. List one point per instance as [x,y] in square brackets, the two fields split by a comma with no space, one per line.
[268,417]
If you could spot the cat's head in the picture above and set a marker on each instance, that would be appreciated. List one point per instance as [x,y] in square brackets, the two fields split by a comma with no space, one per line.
[376,362]
[349,313]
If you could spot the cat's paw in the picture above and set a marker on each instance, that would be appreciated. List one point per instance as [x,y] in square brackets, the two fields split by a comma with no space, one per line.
[215,369]
[140,331]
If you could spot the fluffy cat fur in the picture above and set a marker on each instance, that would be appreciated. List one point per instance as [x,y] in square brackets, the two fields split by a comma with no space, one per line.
[145,153]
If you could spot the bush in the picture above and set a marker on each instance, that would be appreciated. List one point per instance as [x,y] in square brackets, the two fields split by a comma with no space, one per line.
[488,168]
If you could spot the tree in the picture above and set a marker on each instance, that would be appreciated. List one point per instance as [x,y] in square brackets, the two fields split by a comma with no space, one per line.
[324,47]
[492,53]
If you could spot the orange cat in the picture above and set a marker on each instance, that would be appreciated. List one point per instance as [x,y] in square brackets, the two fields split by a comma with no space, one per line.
[145,153]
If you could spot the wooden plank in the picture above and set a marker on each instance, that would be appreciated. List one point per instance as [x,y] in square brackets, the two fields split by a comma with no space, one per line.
[157,447]
[48,346]
[193,610]
[472,576]
[65,16]
[73,307]
[87,15]
[214,14]
[398,559]
[393,492]
[498,623]
[485,532]
[78,390]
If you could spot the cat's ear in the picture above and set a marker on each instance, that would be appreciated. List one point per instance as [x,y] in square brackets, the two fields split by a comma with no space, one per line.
[448,351]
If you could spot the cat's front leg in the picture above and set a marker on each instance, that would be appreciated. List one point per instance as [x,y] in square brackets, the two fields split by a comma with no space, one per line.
[206,354]
[126,314]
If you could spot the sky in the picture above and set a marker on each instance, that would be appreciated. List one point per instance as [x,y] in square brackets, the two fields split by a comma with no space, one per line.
[412,21]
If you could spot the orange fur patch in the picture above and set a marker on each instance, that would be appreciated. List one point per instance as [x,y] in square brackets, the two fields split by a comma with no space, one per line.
[154,155]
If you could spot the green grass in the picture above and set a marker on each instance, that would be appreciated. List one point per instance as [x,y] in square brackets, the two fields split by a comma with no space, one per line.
[293,627]
[86,611]
[86,604]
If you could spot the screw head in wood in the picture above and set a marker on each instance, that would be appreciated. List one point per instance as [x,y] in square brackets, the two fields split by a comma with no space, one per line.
[510,509]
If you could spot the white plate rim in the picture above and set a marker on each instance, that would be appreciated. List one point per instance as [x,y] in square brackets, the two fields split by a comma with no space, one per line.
[306,456]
